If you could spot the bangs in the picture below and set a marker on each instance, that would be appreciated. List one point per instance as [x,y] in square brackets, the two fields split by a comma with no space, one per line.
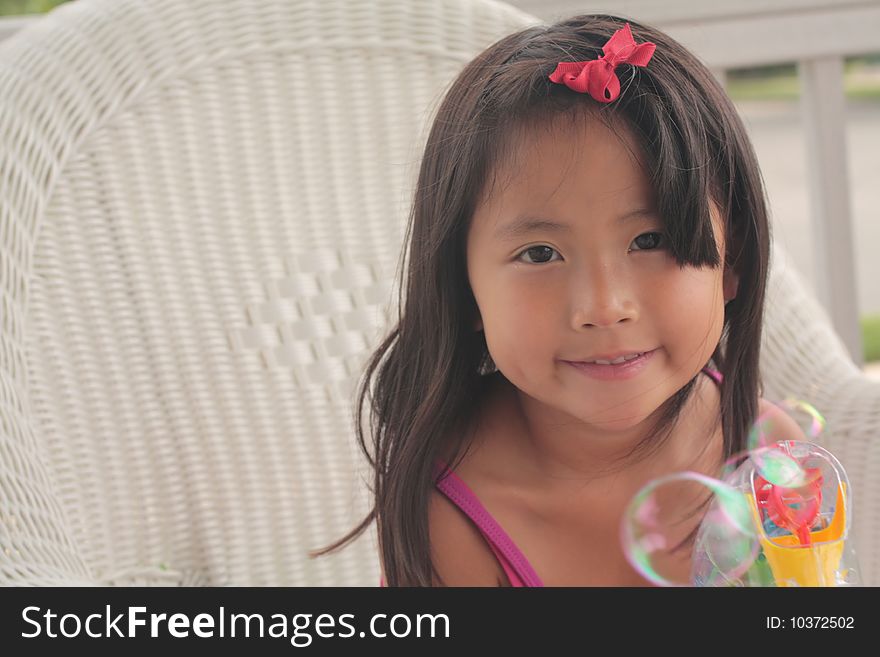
[684,193]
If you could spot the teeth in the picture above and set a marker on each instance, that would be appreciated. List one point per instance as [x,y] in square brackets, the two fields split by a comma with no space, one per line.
[616,361]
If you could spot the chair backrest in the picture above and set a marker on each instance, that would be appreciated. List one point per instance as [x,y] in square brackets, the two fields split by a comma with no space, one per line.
[203,205]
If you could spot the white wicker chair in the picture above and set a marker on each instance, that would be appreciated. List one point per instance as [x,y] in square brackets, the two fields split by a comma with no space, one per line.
[203,204]
[201,210]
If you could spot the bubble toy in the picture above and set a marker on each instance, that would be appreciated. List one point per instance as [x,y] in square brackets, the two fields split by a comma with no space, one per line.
[778,515]
[802,527]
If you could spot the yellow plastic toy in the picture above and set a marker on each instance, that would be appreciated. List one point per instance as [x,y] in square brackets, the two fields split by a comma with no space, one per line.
[800,505]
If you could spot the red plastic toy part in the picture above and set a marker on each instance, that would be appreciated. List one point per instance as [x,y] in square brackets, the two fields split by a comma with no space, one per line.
[794,509]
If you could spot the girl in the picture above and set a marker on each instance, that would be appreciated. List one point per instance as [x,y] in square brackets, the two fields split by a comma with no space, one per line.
[588,253]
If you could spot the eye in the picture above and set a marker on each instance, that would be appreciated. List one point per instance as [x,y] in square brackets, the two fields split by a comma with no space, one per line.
[654,241]
[538,254]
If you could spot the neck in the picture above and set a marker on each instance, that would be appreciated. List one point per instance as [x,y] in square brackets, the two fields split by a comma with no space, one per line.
[562,450]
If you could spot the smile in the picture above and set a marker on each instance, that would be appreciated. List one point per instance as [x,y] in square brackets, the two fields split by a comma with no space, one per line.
[617,371]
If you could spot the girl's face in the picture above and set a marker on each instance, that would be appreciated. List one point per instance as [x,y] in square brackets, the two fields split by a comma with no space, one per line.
[567,262]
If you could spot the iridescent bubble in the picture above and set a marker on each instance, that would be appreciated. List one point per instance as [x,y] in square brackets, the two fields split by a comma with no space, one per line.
[768,444]
[779,468]
[791,419]
[680,518]
[775,464]
[816,420]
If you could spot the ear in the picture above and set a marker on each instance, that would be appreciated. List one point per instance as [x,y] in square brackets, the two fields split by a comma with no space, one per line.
[731,277]
[475,313]
[730,283]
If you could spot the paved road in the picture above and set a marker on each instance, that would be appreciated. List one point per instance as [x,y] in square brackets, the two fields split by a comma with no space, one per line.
[776,130]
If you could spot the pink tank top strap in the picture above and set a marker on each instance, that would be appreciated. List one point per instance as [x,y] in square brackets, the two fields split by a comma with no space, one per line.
[714,374]
[518,569]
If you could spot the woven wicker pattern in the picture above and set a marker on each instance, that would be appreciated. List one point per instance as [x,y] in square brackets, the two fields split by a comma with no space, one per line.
[202,206]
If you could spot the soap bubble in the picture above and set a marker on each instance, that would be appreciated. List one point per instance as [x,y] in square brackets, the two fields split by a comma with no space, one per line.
[775,464]
[661,524]
[777,427]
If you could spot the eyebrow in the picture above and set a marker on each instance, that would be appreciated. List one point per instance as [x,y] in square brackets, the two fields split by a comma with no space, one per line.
[530,224]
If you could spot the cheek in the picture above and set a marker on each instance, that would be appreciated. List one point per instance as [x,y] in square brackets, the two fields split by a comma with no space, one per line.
[694,304]
[517,316]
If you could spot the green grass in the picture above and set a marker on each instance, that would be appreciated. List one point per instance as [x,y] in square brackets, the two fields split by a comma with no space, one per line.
[863,92]
[771,87]
[871,337]
[15,7]
[782,83]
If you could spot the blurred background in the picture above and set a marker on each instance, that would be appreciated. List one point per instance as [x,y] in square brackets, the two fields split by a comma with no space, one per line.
[769,100]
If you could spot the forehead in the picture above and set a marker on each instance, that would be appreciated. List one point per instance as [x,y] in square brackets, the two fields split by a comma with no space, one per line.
[588,173]
[582,167]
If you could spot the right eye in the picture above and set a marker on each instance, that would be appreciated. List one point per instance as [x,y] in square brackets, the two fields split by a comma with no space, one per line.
[538,254]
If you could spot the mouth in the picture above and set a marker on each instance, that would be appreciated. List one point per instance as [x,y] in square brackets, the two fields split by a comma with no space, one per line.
[614,360]
[624,367]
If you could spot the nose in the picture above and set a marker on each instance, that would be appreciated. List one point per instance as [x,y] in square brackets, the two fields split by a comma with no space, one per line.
[602,297]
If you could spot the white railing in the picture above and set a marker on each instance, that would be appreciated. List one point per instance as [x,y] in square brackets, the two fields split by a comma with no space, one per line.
[9,25]
[818,35]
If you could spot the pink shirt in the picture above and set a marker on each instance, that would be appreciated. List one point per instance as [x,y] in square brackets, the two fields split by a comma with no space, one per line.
[518,569]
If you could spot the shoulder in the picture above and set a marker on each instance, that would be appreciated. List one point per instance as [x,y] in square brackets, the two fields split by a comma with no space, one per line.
[459,551]
[777,424]
[460,554]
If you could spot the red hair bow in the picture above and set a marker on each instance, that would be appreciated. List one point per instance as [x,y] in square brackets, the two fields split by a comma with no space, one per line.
[597,76]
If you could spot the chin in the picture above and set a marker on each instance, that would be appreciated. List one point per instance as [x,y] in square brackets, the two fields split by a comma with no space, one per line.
[618,421]
[612,416]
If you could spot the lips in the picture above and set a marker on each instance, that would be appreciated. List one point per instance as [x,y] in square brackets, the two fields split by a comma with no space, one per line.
[614,358]
[625,370]
[615,361]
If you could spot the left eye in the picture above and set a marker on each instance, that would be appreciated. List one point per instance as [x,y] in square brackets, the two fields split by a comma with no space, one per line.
[538,254]
[653,242]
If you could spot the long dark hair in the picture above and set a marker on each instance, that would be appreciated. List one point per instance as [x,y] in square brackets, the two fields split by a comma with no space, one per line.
[427,375]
